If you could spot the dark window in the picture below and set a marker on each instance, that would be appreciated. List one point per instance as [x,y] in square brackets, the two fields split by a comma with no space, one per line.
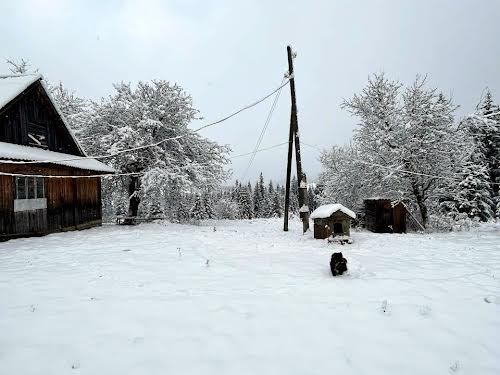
[30,188]
[20,187]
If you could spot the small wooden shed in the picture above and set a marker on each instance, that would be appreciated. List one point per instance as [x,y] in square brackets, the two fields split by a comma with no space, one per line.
[383,215]
[332,220]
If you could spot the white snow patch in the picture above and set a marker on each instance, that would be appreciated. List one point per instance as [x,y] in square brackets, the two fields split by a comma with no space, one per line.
[328,209]
[266,304]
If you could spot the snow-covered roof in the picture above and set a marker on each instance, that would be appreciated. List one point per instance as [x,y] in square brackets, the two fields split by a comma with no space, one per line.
[11,86]
[328,210]
[12,151]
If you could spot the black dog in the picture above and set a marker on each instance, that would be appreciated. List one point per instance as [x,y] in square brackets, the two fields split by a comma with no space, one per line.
[338,264]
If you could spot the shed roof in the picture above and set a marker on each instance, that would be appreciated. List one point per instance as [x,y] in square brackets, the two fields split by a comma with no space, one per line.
[328,210]
[26,153]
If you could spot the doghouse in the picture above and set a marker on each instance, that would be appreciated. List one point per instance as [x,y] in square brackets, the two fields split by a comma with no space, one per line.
[332,220]
[384,216]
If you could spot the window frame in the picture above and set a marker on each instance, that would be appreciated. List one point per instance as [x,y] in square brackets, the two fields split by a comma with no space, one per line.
[36,181]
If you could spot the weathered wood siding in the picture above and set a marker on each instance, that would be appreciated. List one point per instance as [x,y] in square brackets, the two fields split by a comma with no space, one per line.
[381,217]
[324,228]
[7,221]
[72,203]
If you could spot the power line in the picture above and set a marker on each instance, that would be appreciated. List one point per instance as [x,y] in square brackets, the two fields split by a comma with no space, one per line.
[283,84]
[259,150]
[132,173]
[263,131]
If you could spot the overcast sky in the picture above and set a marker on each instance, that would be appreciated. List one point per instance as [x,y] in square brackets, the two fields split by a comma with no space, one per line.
[228,53]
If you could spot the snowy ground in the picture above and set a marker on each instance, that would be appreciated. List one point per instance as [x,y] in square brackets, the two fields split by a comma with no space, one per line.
[143,300]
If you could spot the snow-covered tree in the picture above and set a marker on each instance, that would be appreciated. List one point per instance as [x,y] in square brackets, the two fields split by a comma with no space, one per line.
[225,208]
[198,210]
[313,204]
[344,180]
[182,213]
[245,203]
[406,136]
[75,110]
[474,194]
[152,120]
[19,66]
[208,205]
[277,205]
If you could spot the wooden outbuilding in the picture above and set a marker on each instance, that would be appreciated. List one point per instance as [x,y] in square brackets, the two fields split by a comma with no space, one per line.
[35,142]
[332,220]
[384,215]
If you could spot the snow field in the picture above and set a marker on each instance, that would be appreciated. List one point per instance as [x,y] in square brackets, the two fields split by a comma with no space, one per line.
[144,300]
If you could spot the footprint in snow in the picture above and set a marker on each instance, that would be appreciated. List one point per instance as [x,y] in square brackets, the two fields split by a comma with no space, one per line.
[455,367]
[424,310]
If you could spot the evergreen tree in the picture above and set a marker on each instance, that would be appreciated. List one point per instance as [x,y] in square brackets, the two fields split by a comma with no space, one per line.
[182,213]
[488,118]
[257,200]
[245,203]
[311,198]
[198,211]
[208,205]
[277,210]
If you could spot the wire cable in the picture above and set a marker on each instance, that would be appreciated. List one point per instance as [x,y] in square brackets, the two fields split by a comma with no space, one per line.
[283,84]
[104,175]
[263,131]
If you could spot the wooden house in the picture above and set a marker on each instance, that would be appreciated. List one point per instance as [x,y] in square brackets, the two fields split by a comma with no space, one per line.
[332,220]
[35,141]
[382,216]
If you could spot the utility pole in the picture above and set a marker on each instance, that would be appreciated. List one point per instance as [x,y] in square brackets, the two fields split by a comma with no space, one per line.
[294,137]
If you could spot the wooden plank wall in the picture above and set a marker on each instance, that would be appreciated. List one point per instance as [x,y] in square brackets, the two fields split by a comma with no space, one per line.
[7,221]
[71,203]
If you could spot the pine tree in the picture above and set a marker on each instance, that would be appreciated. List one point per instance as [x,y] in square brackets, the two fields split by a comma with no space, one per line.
[208,205]
[245,203]
[257,200]
[489,139]
[182,212]
[198,211]
[312,199]
[277,210]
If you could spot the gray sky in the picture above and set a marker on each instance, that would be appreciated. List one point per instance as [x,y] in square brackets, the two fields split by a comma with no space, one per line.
[228,53]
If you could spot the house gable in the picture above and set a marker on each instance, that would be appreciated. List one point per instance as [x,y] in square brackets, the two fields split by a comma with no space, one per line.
[32,119]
